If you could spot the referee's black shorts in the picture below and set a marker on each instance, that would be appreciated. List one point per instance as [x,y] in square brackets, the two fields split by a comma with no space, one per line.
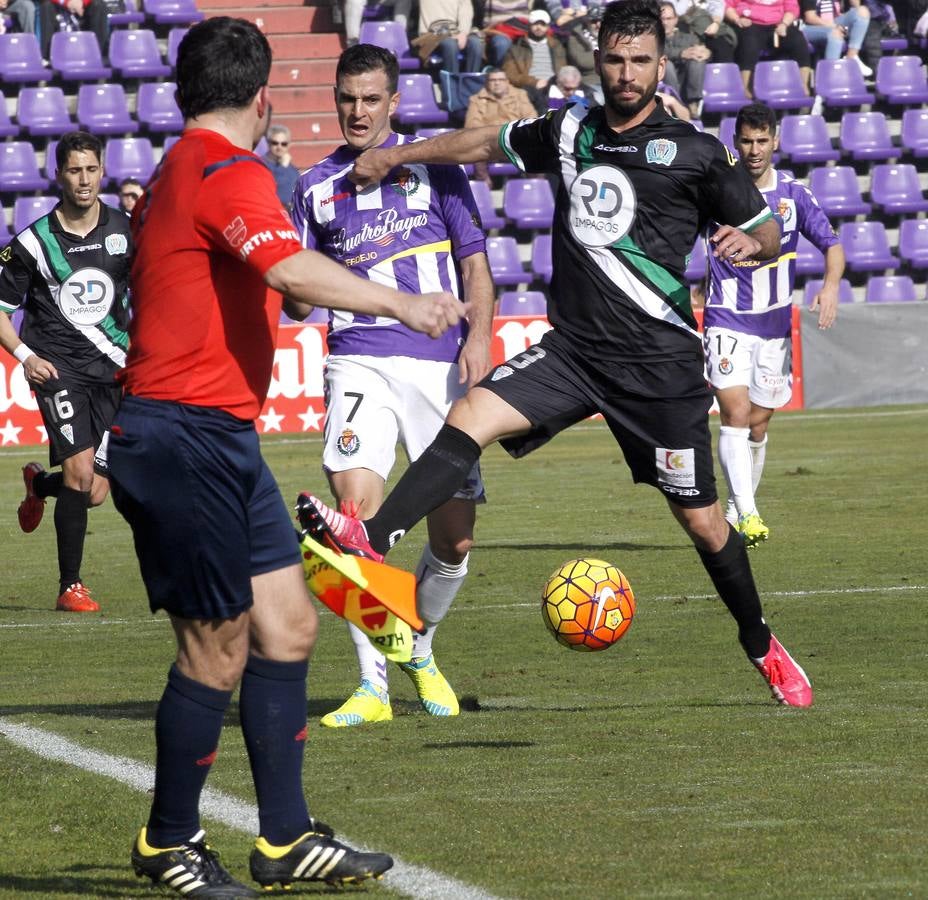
[658,412]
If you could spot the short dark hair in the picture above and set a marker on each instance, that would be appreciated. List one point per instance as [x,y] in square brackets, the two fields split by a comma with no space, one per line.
[756,115]
[76,141]
[127,182]
[632,18]
[363,58]
[221,64]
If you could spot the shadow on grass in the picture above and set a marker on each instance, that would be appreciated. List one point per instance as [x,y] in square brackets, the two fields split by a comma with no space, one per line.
[584,549]
[121,885]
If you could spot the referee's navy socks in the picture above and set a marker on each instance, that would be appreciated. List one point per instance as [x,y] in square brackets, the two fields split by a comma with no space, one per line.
[428,482]
[187,729]
[272,707]
[730,572]
[70,528]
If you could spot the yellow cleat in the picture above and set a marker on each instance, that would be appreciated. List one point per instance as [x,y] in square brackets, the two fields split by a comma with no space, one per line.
[752,528]
[364,707]
[435,694]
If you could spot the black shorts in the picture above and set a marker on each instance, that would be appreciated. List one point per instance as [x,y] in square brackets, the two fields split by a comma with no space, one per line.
[205,511]
[658,412]
[76,417]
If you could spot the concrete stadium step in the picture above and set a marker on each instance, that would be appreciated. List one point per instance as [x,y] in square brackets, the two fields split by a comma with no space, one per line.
[306,153]
[305,46]
[303,72]
[311,127]
[288,100]
[282,19]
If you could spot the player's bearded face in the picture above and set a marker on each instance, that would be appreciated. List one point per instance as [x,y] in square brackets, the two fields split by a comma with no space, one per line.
[629,69]
[79,179]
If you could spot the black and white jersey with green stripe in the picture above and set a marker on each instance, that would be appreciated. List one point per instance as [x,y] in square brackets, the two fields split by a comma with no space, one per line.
[629,207]
[74,292]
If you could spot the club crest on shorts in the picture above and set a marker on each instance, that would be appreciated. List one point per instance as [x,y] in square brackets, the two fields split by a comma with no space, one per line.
[348,443]
[67,432]
[500,373]
[660,152]
[725,366]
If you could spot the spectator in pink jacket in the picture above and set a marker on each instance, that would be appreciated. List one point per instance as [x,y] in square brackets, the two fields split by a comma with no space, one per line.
[767,25]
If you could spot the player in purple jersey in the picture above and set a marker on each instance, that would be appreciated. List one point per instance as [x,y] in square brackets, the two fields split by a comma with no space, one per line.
[748,315]
[418,230]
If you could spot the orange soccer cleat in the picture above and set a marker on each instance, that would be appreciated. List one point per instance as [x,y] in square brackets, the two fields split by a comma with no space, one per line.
[76,599]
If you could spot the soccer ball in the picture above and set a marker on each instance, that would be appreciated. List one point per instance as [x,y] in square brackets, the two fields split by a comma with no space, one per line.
[587,604]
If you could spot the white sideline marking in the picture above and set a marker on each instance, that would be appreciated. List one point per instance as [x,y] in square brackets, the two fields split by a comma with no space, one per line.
[406,879]
[482,607]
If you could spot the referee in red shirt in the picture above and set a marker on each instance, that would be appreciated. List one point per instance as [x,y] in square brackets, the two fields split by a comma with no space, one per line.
[215,543]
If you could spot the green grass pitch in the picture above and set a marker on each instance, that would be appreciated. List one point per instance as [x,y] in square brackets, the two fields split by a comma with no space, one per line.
[659,768]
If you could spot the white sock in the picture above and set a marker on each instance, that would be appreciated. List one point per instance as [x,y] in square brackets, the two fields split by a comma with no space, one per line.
[437,585]
[372,662]
[735,458]
[758,456]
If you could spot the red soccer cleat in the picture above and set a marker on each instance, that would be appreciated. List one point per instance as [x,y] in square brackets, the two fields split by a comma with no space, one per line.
[32,509]
[789,684]
[338,531]
[77,599]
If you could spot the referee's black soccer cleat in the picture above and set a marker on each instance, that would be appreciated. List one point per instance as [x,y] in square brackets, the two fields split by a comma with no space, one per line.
[191,869]
[315,856]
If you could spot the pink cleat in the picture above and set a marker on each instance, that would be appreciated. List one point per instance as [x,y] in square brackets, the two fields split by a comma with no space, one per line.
[789,684]
[340,531]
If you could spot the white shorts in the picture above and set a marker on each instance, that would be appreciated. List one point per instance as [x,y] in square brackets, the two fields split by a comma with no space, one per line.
[763,365]
[374,403]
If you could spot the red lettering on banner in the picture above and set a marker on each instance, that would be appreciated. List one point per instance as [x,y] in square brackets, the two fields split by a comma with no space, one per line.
[294,402]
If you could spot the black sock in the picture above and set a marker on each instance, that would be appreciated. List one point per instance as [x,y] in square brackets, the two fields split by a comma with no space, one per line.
[47,484]
[426,484]
[71,526]
[730,572]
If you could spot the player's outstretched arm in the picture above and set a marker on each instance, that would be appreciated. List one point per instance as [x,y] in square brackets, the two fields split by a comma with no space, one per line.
[310,278]
[762,242]
[465,146]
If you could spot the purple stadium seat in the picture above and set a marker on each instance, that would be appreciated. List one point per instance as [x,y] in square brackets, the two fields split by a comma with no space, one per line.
[914,133]
[175,36]
[528,203]
[805,139]
[503,169]
[866,247]
[129,158]
[778,83]
[696,267]
[131,16]
[432,132]
[894,44]
[171,140]
[838,192]
[135,54]
[895,188]
[417,101]
[723,89]
[172,12]
[75,56]
[391,36]
[814,285]
[104,109]
[727,133]
[865,135]
[110,200]
[522,303]
[809,259]
[27,209]
[839,82]
[505,265]
[8,128]
[19,168]
[913,242]
[50,169]
[156,107]
[890,289]
[44,111]
[21,59]
[484,200]
[901,79]
[5,233]
[541,257]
